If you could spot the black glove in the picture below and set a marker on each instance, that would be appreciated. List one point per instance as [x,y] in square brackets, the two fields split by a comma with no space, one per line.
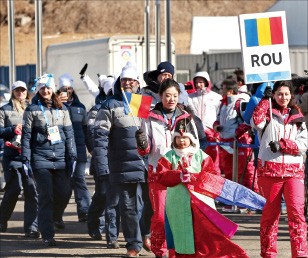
[83,70]
[275,146]
[141,139]
[268,93]
[219,128]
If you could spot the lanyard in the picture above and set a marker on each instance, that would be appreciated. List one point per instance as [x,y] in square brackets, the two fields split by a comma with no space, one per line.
[43,111]
[167,120]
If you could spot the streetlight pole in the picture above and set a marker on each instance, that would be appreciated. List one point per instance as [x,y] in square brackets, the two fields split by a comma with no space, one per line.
[168,31]
[157,31]
[38,34]
[147,34]
[11,22]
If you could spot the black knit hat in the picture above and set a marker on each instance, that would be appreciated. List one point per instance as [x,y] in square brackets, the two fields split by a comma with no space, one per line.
[163,67]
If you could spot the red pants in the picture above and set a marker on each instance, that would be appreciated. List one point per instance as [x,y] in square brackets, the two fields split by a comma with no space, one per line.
[292,189]
[213,151]
[158,199]
[245,166]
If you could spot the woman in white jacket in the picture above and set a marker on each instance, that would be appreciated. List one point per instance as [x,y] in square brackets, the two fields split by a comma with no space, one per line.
[283,140]
[154,139]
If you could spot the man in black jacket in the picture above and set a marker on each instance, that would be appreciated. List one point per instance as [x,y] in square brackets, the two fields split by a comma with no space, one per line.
[116,154]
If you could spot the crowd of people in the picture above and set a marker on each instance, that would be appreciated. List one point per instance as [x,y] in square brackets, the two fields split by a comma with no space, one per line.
[155,175]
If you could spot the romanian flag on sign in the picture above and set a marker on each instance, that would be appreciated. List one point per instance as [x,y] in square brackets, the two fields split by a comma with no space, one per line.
[263,31]
[139,105]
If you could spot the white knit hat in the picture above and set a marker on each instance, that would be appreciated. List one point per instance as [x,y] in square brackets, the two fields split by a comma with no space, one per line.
[19,84]
[130,71]
[46,80]
[107,84]
[66,80]
[101,78]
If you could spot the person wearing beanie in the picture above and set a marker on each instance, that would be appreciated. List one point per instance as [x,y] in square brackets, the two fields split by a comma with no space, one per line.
[154,78]
[48,149]
[96,214]
[78,115]
[130,71]
[100,91]
[116,156]
[182,170]
[16,179]
[205,104]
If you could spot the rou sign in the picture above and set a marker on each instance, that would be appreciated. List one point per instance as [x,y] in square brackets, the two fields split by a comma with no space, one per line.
[265,47]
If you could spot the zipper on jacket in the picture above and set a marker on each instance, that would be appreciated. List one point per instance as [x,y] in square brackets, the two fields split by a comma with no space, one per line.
[284,134]
[54,155]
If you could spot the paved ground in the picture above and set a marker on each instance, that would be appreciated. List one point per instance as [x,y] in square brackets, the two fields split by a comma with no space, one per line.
[75,242]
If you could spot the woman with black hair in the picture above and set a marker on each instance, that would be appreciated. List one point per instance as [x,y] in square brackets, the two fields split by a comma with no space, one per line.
[154,140]
[283,140]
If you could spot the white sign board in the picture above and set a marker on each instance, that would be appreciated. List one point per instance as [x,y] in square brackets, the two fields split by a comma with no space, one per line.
[265,47]
[218,34]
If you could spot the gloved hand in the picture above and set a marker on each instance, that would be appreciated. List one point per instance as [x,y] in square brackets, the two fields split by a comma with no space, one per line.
[275,146]
[185,176]
[83,71]
[26,168]
[218,128]
[268,93]
[141,139]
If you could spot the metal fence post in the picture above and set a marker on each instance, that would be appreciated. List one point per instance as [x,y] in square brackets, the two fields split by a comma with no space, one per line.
[235,167]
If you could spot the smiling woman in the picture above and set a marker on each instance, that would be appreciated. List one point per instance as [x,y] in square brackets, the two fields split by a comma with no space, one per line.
[154,139]
[48,147]
[11,116]
[283,141]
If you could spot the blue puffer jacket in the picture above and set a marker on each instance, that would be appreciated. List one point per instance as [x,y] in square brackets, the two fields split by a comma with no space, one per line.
[9,118]
[78,115]
[35,144]
[115,147]
[251,105]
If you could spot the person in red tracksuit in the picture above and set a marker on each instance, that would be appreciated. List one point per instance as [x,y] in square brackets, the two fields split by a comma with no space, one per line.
[283,140]
[229,124]
[154,140]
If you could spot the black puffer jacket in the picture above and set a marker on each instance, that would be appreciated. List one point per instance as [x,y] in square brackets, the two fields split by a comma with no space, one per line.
[78,115]
[36,146]
[115,148]
[9,118]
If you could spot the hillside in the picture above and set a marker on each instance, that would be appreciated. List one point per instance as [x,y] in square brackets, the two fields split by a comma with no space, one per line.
[71,20]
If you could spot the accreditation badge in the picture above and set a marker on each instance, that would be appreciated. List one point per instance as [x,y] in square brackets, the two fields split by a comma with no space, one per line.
[54,135]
